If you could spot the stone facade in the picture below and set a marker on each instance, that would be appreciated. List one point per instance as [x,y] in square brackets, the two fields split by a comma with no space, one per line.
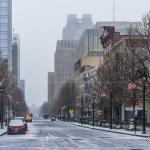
[51,79]
[65,55]
[89,43]
[64,63]
[22,86]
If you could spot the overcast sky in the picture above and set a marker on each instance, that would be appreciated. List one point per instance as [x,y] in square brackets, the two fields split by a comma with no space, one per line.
[40,24]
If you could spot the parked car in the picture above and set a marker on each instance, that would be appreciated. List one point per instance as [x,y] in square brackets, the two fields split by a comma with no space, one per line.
[16,126]
[53,119]
[22,118]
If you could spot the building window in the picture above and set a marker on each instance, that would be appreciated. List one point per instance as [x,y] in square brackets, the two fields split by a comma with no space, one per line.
[4,4]
[3,43]
[3,28]
[5,20]
[3,36]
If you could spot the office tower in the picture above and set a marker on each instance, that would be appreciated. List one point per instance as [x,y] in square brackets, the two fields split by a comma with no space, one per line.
[22,86]
[64,62]
[51,78]
[75,26]
[6,30]
[16,58]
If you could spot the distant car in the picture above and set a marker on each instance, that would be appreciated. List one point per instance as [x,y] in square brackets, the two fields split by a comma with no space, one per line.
[53,119]
[16,126]
[28,117]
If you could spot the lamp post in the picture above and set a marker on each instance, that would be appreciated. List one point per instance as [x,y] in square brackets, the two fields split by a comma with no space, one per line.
[111,109]
[143,73]
[144,119]
[81,118]
[89,106]
[1,104]
[2,112]
[68,116]
[93,108]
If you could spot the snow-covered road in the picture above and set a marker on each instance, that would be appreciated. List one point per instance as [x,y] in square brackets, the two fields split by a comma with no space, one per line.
[45,135]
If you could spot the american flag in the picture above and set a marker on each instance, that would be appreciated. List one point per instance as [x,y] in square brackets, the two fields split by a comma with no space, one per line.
[132,86]
[103,94]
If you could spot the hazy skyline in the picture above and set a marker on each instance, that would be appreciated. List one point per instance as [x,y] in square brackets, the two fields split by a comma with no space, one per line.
[40,24]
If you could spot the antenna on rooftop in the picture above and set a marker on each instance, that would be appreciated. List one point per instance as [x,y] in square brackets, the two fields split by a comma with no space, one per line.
[114,10]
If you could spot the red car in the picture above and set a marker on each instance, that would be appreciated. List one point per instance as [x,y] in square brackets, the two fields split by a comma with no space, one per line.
[16,126]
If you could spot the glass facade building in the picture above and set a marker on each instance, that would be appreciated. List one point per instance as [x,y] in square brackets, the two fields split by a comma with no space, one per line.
[6,29]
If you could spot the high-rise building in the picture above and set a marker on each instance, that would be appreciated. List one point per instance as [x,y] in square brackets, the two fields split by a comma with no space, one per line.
[22,86]
[75,26]
[89,42]
[6,30]
[16,58]
[64,62]
[51,82]
[65,55]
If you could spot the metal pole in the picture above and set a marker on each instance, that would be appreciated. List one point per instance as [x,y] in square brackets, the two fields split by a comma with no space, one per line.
[2,112]
[111,104]
[68,117]
[88,113]
[134,116]
[81,118]
[93,112]
[144,121]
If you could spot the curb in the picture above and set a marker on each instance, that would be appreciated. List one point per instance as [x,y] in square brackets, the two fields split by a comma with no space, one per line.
[3,134]
[144,136]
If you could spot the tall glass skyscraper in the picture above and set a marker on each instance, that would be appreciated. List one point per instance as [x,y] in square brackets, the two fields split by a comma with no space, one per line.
[6,30]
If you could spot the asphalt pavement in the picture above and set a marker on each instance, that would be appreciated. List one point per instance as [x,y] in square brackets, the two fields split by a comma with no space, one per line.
[47,135]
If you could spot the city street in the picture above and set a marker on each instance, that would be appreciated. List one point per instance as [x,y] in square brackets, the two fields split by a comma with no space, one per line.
[47,135]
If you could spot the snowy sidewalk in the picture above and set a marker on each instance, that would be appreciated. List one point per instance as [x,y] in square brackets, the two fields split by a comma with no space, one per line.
[3,131]
[119,131]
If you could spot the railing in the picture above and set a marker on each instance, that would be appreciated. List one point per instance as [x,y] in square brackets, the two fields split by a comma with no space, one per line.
[127,125]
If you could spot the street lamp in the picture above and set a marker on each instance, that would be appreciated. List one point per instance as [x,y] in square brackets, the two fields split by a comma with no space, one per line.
[89,108]
[2,104]
[81,118]
[144,118]
[93,106]
[143,75]
[111,109]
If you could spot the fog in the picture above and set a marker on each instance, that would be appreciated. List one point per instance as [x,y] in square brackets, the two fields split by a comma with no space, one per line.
[40,24]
